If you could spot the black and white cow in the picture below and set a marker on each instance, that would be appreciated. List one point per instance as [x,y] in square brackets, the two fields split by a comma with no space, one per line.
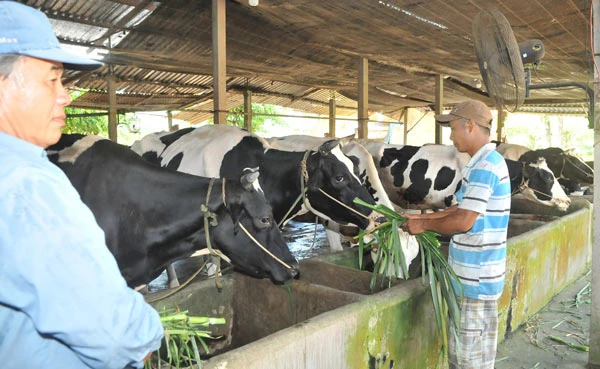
[570,170]
[427,177]
[367,173]
[152,216]
[224,151]
[563,163]
[536,182]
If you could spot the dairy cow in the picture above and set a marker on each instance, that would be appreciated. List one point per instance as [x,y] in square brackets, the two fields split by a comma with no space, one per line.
[367,172]
[152,216]
[563,163]
[326,174]
[427,177]
[568,168]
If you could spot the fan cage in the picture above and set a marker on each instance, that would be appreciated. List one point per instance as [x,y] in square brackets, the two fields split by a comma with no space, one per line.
[499,59]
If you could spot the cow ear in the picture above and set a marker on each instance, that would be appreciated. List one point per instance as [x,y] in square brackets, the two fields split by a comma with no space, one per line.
[327,146]
[249,177]
[525,170]
[346,140]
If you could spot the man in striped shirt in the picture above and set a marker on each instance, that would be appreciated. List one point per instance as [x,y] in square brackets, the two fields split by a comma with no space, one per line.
[479,226]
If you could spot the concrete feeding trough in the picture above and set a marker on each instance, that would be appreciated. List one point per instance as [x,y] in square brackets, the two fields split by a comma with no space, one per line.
[330,319]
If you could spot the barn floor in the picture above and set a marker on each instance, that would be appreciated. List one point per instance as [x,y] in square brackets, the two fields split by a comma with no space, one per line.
[531,346]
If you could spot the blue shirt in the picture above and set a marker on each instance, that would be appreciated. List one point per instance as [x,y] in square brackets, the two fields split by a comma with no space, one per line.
[478,256]
[63,301]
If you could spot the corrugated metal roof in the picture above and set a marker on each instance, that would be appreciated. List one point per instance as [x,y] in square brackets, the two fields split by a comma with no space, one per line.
[298,53]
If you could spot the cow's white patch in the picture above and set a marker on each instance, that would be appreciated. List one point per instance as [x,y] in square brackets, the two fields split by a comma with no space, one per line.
[559,197]
[337,152]
[511,151]
[150,143]
[71,153]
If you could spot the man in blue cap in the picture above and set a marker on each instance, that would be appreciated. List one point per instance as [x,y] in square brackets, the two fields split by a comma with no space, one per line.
[63,301]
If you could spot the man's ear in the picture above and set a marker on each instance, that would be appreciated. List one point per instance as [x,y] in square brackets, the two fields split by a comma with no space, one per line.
[469,125]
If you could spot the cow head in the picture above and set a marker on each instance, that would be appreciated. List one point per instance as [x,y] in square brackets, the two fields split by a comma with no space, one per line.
[539,184]
[564,164]
[330,174]
[576,169]
[248,235]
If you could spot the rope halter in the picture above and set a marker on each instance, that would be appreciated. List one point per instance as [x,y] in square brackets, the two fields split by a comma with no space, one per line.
[239,223]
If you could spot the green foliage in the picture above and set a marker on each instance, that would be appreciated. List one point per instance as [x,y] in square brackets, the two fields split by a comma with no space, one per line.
[542,131]
[91,122]
[184,336]
[264,115]
[90,125]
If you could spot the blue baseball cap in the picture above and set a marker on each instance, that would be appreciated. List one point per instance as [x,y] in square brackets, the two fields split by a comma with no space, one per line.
[27,31]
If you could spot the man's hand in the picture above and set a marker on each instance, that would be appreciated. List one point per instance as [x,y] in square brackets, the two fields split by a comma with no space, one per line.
[414,224]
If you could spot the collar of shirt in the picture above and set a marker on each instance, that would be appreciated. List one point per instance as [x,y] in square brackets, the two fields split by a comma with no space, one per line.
[20,146]
[481,153]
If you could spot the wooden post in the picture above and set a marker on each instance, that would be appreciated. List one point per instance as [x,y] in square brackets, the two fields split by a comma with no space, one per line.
[439,106]
[170,121]
[248,110]
[404,118]
[500,126]
[112,105]
[594,343]
[332,115]
[363,98]
[219,61]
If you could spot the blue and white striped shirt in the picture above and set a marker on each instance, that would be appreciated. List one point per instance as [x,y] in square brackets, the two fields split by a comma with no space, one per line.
[478,256]
[63,301]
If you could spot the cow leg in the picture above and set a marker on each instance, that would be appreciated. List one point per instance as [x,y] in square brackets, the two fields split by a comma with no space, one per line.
[211,266]
[172,275]
[334,239]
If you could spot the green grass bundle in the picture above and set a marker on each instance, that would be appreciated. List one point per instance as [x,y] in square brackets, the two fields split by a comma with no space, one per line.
[436,272]
[184,335]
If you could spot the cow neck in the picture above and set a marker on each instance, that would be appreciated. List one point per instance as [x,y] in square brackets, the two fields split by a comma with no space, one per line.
[521,185]
[304,180]
[567,158]
[562,169]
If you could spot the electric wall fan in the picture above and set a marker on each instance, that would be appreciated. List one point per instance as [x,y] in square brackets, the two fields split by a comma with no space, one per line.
[505,64]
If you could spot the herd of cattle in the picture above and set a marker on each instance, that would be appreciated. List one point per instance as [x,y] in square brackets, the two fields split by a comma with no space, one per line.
[219,187]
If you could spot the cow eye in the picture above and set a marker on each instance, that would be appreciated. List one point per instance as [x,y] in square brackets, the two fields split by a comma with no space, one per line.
[339,178]
[265,221]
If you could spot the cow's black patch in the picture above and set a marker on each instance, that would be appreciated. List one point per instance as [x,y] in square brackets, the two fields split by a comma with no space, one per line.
[420,185]
[172,137]
[444,178]
[569,185]
[458,185]
[65,141]
[151,157]
[175,161]
[249,151]
[448,200]
[402,155]
[355,161]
